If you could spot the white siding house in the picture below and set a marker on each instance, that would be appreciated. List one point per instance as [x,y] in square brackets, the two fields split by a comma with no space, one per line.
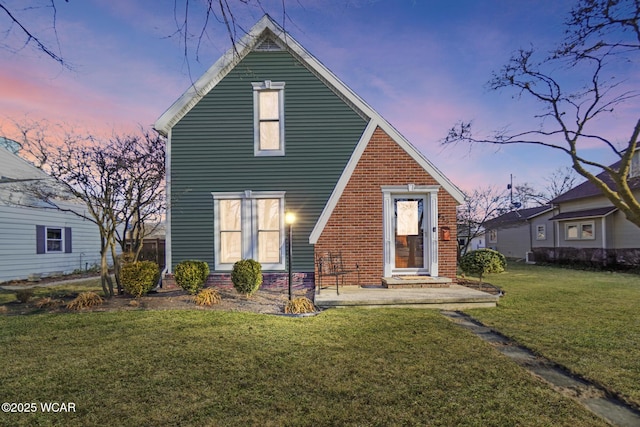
[39,240]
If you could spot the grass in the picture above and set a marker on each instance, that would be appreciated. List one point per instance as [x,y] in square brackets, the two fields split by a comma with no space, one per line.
[586,321]
[343,367]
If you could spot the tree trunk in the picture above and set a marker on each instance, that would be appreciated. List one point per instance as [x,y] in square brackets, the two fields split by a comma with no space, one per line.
[105,278]
[116,267]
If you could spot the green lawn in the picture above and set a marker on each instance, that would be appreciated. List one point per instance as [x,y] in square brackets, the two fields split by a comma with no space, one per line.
[343,367]
[586,321]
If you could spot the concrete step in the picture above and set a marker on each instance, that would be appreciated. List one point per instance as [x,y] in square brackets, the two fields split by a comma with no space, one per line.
[403,282]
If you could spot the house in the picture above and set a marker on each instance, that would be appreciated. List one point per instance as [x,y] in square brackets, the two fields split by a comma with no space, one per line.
[38,242]
[473,234]
[515,233]
[590,229]
[269,130]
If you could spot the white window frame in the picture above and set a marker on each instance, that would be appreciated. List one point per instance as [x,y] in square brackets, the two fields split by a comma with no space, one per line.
[249,228]
[47,239]
[541,229]
[493,236]
[580,226]
[267,85]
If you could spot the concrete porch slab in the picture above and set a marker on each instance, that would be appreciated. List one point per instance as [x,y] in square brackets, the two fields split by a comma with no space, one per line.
[416,282]
[455,297]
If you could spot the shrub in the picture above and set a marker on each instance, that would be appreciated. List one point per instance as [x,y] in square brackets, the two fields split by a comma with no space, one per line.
[246,276]
[24,295]
[208,297]
[139,277]
[299,305]
[85,300]
[483,261]
[191,275]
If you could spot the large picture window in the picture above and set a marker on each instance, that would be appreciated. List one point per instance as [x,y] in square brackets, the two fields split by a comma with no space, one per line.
[249,225]
[268,106]
[580,231]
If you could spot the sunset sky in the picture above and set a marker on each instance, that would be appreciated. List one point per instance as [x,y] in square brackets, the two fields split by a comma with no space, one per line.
[423,65]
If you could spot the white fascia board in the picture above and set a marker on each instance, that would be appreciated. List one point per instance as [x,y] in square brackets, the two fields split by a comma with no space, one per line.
[342,183]
[214,75]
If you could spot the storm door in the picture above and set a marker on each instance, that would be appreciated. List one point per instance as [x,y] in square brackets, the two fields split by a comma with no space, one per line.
[408,249]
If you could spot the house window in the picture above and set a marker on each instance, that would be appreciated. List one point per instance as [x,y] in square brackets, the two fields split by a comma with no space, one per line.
[580,231]
[249,225]
[541,232]
[493,236]
[268,113]
[53,240]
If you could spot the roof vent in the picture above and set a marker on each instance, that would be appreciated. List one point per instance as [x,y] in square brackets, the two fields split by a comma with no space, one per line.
[268,45]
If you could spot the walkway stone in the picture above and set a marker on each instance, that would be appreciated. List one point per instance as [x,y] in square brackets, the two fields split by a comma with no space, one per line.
[592,396]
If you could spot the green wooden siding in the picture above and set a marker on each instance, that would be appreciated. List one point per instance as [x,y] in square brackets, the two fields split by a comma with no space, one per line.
[212,149]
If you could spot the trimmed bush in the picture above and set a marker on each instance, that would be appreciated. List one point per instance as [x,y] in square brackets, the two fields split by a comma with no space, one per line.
[299,305]
[191,275]
[208,297]
[246,276]
[139,277]
[483,261]
[85,300]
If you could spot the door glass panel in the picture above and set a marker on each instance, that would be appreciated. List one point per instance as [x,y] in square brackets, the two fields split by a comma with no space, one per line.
[409,233]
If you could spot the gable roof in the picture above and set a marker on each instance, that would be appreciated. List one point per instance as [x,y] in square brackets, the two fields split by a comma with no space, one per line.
[588,189]
[586,213]
[517,216]
[266,29]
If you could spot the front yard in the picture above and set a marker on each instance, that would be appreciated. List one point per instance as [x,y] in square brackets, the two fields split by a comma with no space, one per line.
[586,321]
[343,367]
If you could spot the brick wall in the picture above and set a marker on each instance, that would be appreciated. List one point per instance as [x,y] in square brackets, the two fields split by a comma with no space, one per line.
[356,224]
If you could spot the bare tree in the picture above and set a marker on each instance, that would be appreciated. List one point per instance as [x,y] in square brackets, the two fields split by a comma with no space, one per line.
[601,35]
[29,36]
[559,182]
[119,181]
[481,205]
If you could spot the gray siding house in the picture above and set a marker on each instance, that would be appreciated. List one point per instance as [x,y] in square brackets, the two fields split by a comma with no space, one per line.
[35,240]
[268,131]
[589,229]
[516,233]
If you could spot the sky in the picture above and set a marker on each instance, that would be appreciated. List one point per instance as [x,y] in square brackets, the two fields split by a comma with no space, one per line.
[422,64]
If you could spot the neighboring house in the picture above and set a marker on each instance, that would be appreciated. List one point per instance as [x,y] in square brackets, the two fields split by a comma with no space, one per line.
[475,233]
[590,229]
[35,240]
[269,130]
[515,233]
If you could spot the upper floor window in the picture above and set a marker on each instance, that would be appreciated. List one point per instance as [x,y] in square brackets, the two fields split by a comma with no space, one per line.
[580,231]
[268,114]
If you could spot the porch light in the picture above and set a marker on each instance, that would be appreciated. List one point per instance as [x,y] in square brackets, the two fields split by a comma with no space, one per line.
[290,219]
